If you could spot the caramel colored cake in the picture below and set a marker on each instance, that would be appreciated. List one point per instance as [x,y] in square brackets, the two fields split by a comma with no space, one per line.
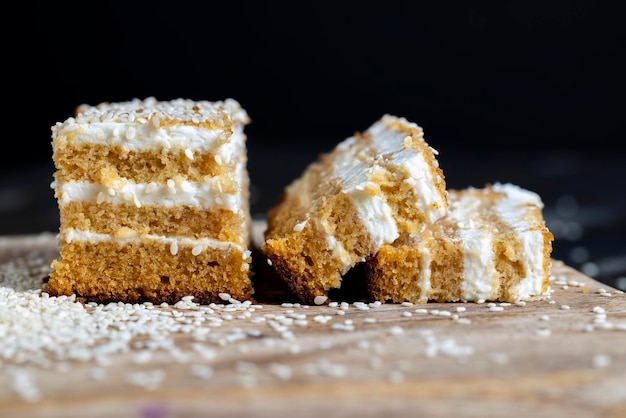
[154,202]
[369,190]
[492,245]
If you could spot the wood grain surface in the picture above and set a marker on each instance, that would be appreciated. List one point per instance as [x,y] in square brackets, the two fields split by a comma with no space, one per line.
[564,356]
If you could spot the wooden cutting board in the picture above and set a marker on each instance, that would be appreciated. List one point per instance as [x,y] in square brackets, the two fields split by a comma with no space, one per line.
[564,356]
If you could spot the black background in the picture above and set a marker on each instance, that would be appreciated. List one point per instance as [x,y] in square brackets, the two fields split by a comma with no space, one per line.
[513,74]
[530,92]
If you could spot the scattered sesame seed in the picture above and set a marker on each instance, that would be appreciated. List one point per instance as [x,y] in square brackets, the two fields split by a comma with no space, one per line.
[500,358]
[601,361]
[396,330]
[320,299]
[543,332]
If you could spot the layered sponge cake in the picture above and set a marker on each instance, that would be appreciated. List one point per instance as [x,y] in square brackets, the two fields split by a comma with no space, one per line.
[492,245]
[372,188]
[154,202]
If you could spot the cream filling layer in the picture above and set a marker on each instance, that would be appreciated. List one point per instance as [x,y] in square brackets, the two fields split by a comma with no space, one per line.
[133,136]
[175,243]
[203,195]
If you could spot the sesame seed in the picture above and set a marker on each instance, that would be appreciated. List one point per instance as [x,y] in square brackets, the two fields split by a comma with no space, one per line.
[396,330]
[543,332]
[601,361]
[130,133]
[320,299]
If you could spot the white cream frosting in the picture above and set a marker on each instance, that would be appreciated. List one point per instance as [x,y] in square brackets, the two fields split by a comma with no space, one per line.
[479,269]
[70,235]
[143,137]
[425,274]
[194,194]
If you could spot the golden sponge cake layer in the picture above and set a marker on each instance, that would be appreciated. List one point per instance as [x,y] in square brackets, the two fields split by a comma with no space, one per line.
[135,269]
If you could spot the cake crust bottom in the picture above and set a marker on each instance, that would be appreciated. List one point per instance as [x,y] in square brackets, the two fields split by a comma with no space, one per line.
[149,272]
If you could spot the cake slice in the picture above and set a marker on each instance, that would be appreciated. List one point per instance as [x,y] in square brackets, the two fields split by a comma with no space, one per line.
[154,202]
[492,245]
[370,189]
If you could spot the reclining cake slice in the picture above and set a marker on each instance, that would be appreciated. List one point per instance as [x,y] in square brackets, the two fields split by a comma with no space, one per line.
[493,245]
[154,202]
[370,189]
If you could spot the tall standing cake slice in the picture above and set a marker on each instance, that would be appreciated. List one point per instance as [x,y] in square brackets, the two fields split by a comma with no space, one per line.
[370,189]
[492,245]
[154,202]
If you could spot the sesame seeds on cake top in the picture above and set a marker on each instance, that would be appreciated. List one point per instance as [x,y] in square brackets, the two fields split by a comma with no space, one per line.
[154,201]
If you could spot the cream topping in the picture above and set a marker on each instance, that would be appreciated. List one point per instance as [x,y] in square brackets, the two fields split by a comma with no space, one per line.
[149,109]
